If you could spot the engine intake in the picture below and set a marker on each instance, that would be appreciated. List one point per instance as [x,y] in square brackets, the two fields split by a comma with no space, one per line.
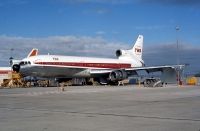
[16,67]
[118,53]
[121,53]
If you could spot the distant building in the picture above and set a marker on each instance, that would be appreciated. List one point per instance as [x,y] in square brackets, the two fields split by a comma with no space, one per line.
[4,73]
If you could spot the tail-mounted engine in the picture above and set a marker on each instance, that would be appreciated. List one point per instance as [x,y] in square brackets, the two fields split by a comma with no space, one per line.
[124,53]
[117,75]
[120,53]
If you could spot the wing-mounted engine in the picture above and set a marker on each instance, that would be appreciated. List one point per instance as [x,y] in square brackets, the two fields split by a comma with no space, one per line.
[117,75]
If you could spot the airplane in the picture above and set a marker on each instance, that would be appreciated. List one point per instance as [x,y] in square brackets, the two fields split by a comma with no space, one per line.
[107,70]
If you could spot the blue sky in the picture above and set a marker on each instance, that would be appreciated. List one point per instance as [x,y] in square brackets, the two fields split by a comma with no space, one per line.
[113,19]
[106,23]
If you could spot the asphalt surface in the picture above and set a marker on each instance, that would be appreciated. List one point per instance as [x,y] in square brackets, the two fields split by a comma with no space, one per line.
[102,108]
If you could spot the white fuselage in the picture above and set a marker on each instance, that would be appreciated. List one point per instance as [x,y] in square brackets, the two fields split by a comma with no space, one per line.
[71,66]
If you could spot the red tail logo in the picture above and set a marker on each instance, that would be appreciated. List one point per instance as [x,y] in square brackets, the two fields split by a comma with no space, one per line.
[34,52]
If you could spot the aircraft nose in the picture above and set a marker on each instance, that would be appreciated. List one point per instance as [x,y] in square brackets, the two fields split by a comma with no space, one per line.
[16,67]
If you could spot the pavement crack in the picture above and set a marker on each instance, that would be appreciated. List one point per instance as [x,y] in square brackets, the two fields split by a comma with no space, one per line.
[93,114]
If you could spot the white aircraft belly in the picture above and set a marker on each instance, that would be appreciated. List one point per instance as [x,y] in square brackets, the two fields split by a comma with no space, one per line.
[48,71]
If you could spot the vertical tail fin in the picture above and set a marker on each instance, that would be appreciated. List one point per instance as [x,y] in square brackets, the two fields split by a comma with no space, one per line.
[135,53]
[33,52]
[138,47]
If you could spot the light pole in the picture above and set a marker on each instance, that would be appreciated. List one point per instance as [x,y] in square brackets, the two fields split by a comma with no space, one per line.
[178,61]
[11,56]
[177,44]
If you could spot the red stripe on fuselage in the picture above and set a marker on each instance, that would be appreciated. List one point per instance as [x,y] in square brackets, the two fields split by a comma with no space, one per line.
[94,65]
[4,71]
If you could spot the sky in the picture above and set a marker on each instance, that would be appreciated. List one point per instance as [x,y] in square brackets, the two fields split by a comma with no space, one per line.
[98,28]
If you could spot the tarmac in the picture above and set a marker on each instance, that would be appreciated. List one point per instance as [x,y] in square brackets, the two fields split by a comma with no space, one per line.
[100,108]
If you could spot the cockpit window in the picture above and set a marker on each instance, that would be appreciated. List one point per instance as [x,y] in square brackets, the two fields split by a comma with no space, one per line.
[21,63]
[24,63]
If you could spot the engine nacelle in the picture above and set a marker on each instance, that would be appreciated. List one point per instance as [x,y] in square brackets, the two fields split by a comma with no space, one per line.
[120,53]
[16,67]
[117,75]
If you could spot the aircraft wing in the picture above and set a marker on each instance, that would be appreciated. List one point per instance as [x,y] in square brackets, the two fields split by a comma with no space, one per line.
[169,72]
[150,69]
[168,75]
